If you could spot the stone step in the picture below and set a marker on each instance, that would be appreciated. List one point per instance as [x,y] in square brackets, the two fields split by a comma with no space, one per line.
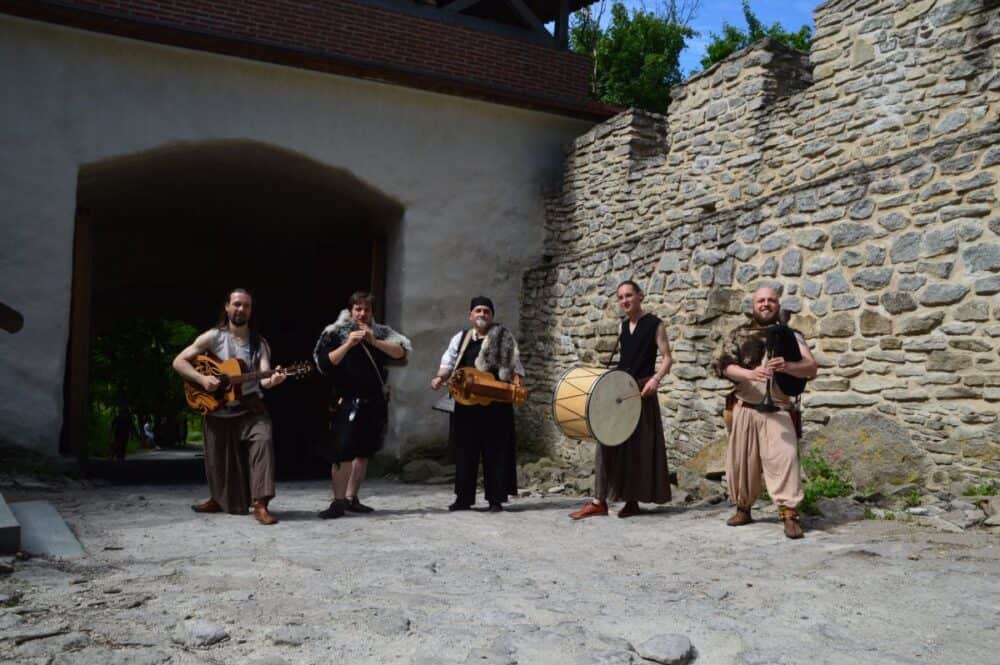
[10,530]
[44,532]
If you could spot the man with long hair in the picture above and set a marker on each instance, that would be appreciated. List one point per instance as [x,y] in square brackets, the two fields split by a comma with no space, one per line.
[239,454]
[353,351]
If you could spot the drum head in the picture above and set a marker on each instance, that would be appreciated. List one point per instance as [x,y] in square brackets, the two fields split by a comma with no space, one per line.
[614,407]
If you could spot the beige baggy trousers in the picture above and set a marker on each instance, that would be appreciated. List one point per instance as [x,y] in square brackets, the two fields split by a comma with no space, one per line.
[763,444]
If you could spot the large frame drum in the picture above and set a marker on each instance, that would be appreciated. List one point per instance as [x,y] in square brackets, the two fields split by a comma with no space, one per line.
[596,403]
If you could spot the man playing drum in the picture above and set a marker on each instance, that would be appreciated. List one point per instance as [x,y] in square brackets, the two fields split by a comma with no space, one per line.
[636,470]
[763,437]
[485,431]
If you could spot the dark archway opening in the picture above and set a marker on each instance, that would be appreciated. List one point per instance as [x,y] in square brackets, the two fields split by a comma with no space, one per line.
[167,233]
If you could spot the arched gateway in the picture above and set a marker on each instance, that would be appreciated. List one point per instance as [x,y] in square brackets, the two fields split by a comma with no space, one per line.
[166,232]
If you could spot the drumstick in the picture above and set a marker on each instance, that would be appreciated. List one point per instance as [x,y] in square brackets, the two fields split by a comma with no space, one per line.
[619,400]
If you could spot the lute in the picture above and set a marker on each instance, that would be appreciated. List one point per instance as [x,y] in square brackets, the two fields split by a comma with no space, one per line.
[231,374]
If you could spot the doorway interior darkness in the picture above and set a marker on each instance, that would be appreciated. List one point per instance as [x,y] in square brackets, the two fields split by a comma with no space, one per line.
[168,232]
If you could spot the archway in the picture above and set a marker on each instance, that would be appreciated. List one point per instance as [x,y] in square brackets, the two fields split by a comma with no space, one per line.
[167,232]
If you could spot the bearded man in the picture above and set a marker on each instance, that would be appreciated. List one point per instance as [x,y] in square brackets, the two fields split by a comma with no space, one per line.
[763,439]
[239,454]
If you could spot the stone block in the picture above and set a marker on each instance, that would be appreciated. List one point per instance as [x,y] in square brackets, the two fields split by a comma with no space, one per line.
[982,257]
[897,303]
[837,325]
[811,239]
[894,221]
[875,450]
[947,361]
[10,530]
[873,323]
[987,285]
[43,531]
[846,234]
[791,263]
[845,301]
[920,324]
[973,310]
[939,241]
[872,279]
[906,247]
[820,264]
[834,283]
[911,283]
[942,294]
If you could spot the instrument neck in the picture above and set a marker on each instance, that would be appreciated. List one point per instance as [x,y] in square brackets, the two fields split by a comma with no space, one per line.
[251,376]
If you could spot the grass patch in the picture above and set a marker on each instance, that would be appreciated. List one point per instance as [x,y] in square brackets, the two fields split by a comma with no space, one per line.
[913,500]
[823,480]
[988,488]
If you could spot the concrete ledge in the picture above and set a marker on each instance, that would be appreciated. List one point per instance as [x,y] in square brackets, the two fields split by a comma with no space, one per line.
[10,530]
[43,531]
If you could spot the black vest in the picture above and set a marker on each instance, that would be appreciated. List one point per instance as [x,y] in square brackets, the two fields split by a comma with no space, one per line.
[468,358]
[638,349]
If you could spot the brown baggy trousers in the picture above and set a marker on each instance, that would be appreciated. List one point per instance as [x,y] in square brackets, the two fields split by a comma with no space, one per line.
[637,469]
[239,459]
[763,443]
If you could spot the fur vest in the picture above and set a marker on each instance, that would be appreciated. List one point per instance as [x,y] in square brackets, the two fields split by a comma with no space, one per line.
[499,350]
[335,334]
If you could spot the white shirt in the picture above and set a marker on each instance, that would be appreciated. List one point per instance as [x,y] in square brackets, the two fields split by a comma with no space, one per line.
[450,357]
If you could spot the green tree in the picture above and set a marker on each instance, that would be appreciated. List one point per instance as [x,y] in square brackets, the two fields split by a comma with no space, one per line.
[636,57]
[733,39]
[131,366]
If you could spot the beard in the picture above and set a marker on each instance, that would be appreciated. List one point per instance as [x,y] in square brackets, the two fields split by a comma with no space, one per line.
[481,323]
[765,321]
[238,320]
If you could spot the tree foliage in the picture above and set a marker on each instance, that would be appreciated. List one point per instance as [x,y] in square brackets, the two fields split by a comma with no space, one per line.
[733,39]
[130,365]
[636,56]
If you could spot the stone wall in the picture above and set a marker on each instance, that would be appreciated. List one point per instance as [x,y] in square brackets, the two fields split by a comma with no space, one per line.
[861,179]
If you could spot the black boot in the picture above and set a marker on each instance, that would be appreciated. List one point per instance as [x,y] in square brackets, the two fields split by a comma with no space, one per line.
[335,510]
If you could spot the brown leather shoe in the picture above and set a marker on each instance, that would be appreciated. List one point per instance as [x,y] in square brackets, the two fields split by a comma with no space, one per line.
[591,509]
[261,515]
[790,517]
[740,517]
[630,509]
[210,506]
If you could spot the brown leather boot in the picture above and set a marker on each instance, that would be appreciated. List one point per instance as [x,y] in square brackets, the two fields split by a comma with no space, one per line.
[261,515]
[740,517]
[790,517]
[210,506]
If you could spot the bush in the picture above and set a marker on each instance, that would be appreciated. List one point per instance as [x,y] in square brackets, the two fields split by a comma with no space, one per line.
[823,479]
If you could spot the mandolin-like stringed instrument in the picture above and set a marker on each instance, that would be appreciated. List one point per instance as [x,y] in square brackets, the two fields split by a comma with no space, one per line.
[231,374]
[470,386]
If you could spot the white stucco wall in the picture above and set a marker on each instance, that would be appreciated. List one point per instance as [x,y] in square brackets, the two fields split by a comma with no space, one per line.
[469,174]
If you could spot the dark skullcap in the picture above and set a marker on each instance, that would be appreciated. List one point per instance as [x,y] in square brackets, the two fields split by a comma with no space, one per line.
[481,300]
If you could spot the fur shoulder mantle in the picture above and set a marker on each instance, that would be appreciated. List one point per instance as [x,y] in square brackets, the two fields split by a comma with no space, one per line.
[335,334]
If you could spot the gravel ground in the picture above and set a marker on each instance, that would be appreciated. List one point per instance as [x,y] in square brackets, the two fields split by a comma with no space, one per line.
[413,583]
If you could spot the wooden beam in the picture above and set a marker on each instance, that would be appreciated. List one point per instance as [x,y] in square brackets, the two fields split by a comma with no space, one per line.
[527,15]
[562,25]
[460,5]
[78,374]
[378,278]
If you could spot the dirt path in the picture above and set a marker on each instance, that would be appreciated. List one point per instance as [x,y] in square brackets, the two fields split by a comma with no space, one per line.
[413,583]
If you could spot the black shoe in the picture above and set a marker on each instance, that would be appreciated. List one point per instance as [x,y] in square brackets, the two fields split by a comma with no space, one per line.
[355,506]
[496,508]
[335,510]
[459,506]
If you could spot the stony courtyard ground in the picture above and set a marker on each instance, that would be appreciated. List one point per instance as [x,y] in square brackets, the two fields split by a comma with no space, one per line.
[413,583]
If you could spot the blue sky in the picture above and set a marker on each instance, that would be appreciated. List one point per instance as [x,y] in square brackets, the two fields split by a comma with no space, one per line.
[792,14]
